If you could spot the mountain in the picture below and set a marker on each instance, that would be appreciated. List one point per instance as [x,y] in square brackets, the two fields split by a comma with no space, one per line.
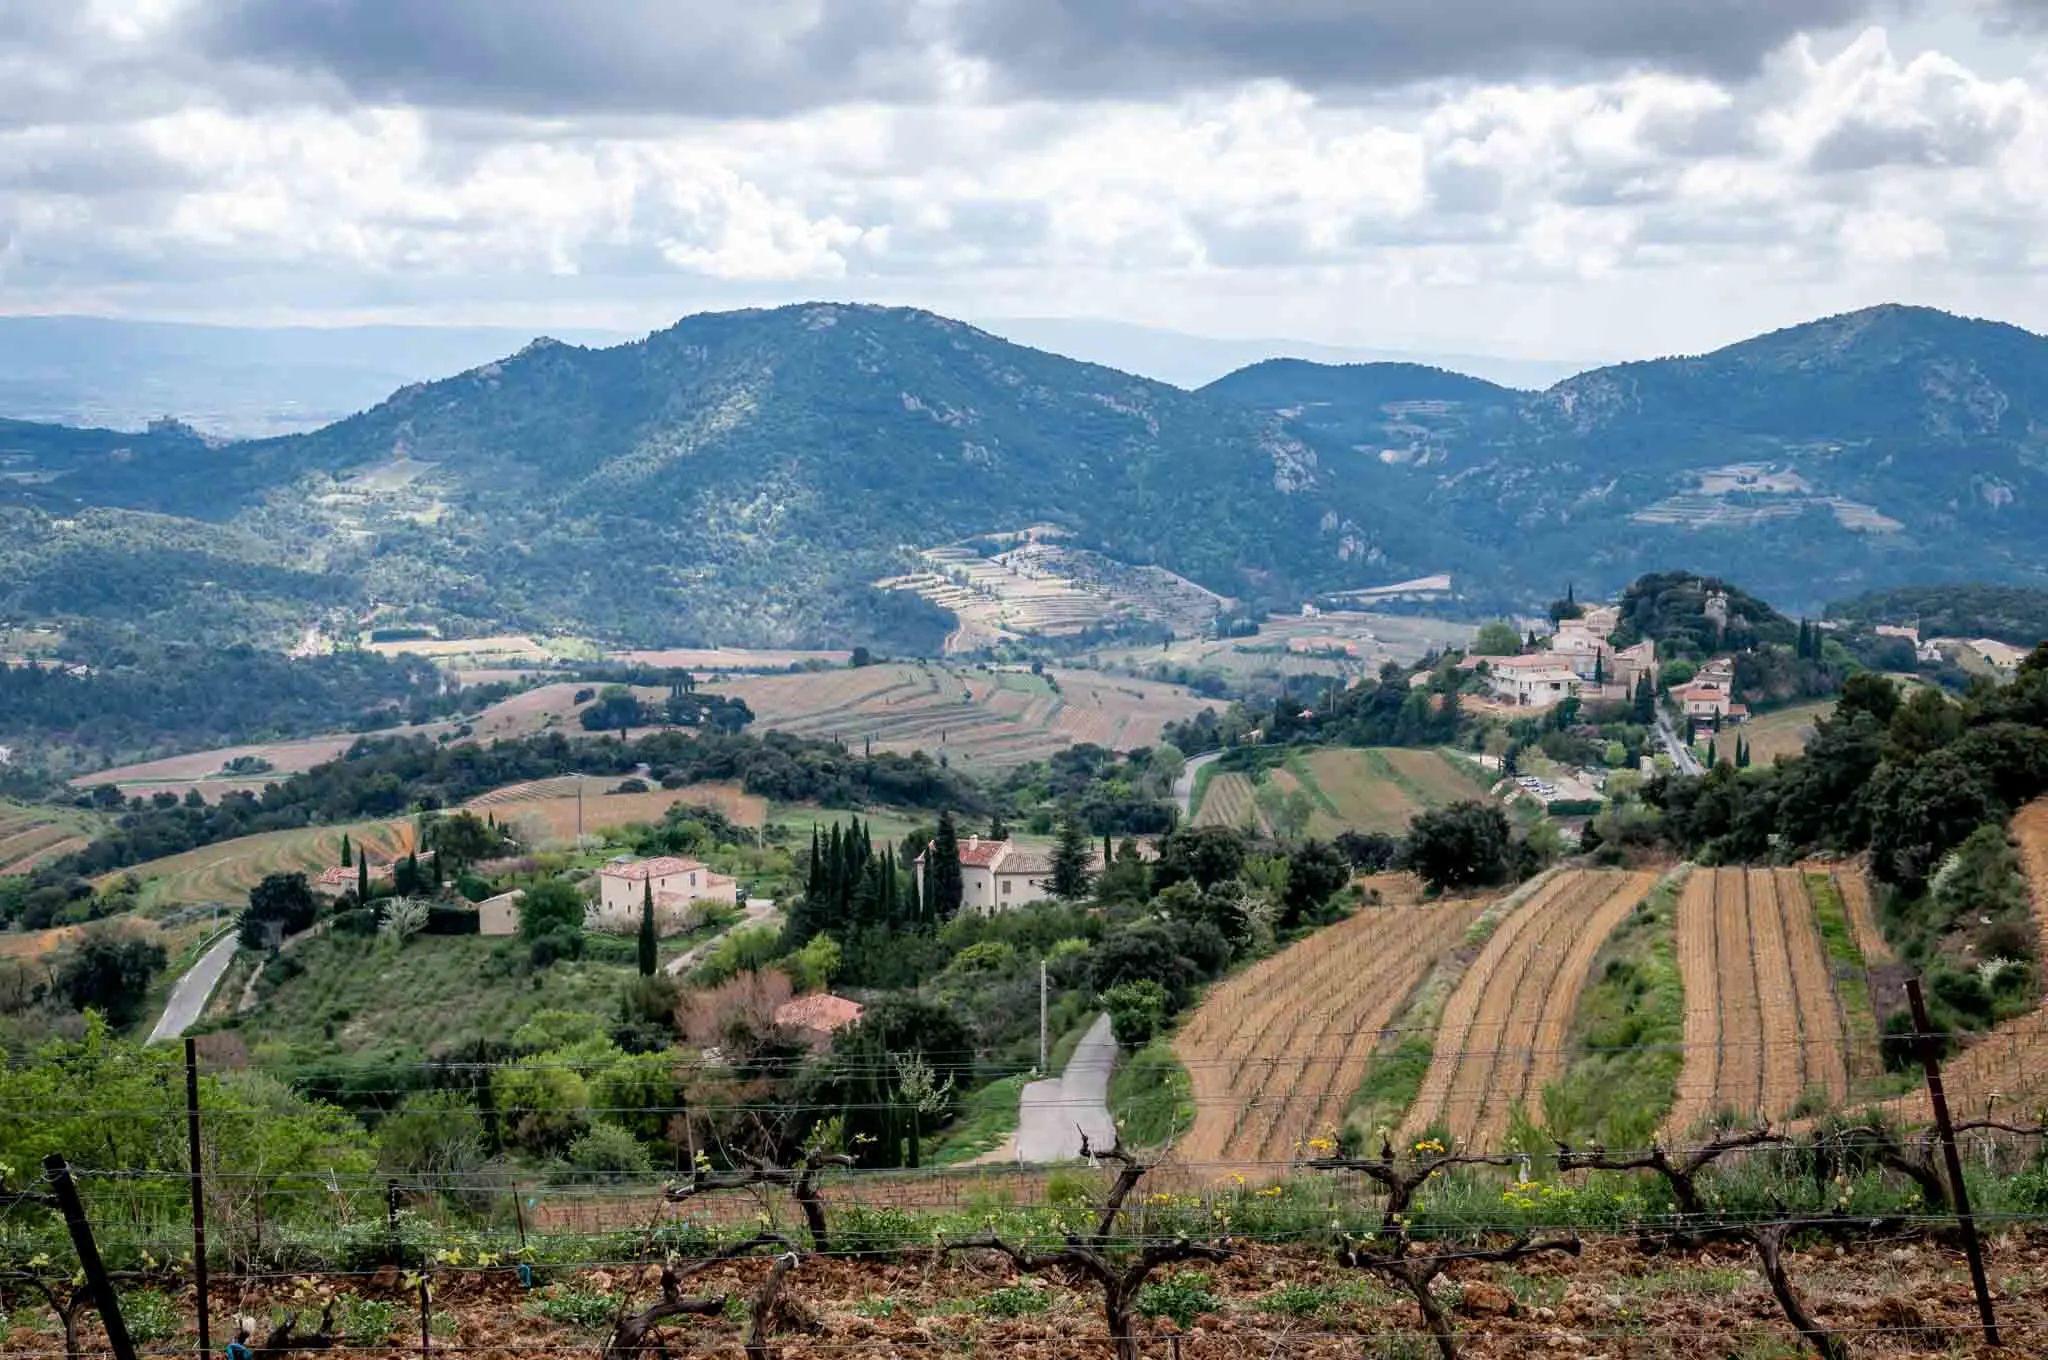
[745,477]
[1191,361]
[741,477]
[232,381]
[1883,446]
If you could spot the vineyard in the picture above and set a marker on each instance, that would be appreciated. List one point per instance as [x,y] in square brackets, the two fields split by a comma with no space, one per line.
[1503,1030]
[1765,1031]
[547,813]
[1349,789]
[34,836]
[225,872]
[1275,1052]
[985,718]
[1230,799]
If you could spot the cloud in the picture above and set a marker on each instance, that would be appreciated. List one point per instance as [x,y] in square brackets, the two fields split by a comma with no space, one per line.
[1863,109]
[1105,46]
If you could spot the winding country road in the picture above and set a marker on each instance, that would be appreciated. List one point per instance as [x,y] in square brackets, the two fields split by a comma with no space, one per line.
[1681,754]
[758,911]
[189,997]
[1056,1112]
[1184,787]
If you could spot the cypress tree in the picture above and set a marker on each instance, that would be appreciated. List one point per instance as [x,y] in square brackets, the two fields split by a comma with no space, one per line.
[647,946]
[347,854]
[814,885]
[362,878]
[944,889]
[438,880]
[1070,874]
[1599,668]
[1712,758]
[914,903]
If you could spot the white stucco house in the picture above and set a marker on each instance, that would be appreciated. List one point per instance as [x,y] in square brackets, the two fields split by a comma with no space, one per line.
[679,885]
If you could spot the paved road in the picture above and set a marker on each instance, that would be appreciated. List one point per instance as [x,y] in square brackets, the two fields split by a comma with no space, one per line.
[758,911]
[1681,754]
[188,998]
[1184,787]
[1055,1112]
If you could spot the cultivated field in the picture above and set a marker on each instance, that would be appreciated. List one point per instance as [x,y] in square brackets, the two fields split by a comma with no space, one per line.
[1351,789]
[1274,1053]
[225,872]
[986,718]
[1504,1028]
[1347,645]
[32,836]
[545,813]
[1780,733]
[1229,799]
[1764,1025]
[2004,1073]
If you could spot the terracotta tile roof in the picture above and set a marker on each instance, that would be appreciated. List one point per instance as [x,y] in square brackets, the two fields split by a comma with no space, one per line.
[337,876]
[819,1011]
[642,869]
[976,854]
[1030,862]
[1529,663]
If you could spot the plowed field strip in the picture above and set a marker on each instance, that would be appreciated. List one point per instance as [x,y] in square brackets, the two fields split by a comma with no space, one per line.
[1856,905]
[1825,1054]
[1273,1053]
[1699,969]
[2012,1060]
[1740,1086]
[1784,1067]
[1559,999]
[1461,1012]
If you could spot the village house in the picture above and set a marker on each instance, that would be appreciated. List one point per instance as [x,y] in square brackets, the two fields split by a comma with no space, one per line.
[1709,698]
[998,875]
[499,915]
[679,886]
[1538,681]
[814,1019]
[339,880]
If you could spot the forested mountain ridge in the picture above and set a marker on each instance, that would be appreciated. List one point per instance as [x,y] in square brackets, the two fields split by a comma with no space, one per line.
[1886,445]
[743,477]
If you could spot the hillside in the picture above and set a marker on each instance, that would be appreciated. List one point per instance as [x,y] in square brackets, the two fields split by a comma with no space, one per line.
[1866,449]
[745,478]
[2012,614]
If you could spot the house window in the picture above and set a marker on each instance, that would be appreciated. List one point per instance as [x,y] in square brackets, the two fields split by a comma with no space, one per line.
[1006,887]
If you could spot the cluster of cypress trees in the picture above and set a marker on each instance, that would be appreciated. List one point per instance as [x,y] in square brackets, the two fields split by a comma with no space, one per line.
[853,886]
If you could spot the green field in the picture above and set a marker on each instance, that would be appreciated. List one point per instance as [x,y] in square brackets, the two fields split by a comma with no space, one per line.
[1379,789]
[226,870]
[364,995]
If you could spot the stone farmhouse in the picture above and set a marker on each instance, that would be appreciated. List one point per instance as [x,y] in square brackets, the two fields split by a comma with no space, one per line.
[679,886]
[1709,698]
[998,875]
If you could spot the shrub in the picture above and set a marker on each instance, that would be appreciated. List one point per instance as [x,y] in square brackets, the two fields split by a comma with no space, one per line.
[1182,1296]
[1137,1011]
[151,1316]
[1016,1300]
[443,919]
[607,1155]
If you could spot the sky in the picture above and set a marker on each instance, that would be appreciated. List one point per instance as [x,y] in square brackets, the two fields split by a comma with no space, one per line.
[1570,179]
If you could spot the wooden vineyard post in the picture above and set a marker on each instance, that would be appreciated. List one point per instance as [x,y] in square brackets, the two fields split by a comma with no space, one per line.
[1972,1251]
[198,1192]
[89,1263]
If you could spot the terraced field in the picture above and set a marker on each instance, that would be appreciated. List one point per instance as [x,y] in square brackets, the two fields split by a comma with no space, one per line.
[1504,1028]
[32,836]
[975,717]
[2006,1071]
[546,813]
[225,872]
[1274,1053]
[1764,1030]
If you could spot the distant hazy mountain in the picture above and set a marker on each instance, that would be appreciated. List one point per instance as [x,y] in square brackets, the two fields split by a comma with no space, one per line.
[1191,361]
[241,381]
[742,477]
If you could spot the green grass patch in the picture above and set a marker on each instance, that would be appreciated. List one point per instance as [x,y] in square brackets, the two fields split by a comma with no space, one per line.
[1298,767]
[987,1116]
[1150,1096]
[1852,978]
[363,994]
[1201,788]
[1627,1036]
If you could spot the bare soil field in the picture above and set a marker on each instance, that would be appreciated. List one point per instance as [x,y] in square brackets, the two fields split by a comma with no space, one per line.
[1504,1028]
[546,813]
[285,757]
[1335,644]
[1275,1052]
[976,717]
[730,658]
[226,871]
[1764,1031]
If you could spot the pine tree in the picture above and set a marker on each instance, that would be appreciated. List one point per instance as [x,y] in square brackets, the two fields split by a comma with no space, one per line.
[347,854]
[943,887]
[647,945]
[1070,876]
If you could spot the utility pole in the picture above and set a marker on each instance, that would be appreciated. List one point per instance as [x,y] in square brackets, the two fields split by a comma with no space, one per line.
[198,1191]
[1043,1059]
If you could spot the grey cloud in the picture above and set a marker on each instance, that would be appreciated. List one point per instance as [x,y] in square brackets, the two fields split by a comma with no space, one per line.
[1120,46]
[542,56]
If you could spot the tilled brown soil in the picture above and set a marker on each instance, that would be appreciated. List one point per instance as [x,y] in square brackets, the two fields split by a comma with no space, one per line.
[1884,1299]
